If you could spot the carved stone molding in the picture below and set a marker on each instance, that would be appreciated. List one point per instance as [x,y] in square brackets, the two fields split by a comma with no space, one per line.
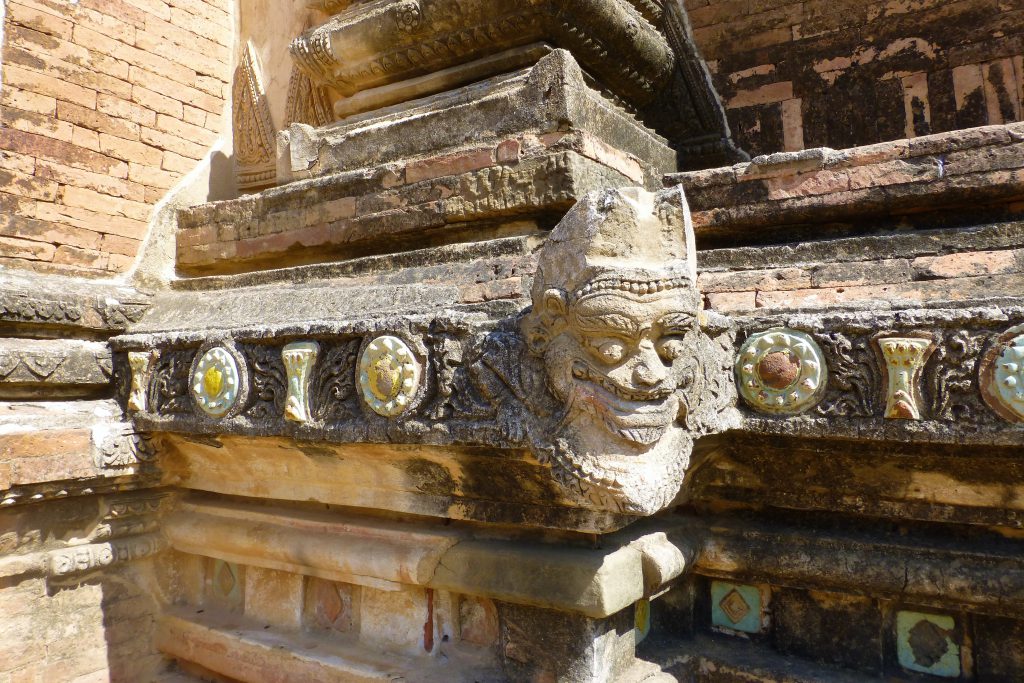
[299,359]
[252,126]
[904,359]
[53,364]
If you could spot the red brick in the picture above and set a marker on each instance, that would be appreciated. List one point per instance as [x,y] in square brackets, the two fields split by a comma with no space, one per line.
[153,177]
[28,101]
[61,152]
[83,76]
[173,143]
[13,247]
[81,258]
[47,47]
[438,167]
[90,220]
[40,124]
[48,232]
[97,121]
[156,101]
[968,264]
[175,90]
[123,109]
[27,186]
[105,204]
[117,187]
[17,77]
[45,22]
[130,150]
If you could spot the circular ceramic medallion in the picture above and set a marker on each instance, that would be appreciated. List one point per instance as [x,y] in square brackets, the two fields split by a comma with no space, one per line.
[216,381]
[781,371]
[1008,376]
[389,376]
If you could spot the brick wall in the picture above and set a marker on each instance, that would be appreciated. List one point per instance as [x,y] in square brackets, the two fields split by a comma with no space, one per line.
[841,73]
[104,106]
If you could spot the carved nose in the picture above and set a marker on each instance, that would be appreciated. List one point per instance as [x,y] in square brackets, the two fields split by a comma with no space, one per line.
[647,374]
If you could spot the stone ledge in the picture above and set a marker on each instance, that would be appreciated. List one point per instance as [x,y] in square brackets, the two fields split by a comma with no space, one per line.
[60,449]
[52,367]
[988,579]
[962,169]
[594,582]
[245,651]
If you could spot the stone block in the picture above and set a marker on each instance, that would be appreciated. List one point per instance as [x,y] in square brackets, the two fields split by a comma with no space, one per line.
[274,597]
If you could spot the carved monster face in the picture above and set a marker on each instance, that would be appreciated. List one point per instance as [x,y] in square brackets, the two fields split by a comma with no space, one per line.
[616,356]
[619,362]
[614,325]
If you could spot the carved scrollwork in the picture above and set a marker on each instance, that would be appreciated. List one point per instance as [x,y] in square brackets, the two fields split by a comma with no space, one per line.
[269,381]
[949,377]
[334,387]
[169,389]
[855,377]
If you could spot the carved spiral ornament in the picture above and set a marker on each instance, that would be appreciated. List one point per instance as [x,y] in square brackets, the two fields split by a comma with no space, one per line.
[389,376]
[781,371]
[216,381]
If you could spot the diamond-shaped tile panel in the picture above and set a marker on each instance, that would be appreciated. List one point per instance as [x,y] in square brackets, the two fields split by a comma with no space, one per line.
[225,583]
[737,607]
[928,643]
[225,579]
[734,606]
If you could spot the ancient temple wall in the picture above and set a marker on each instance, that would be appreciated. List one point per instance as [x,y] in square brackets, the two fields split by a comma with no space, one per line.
[797,75]
[106,105]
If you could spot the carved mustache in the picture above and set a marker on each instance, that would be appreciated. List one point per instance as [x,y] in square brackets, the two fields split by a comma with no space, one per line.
[584,372]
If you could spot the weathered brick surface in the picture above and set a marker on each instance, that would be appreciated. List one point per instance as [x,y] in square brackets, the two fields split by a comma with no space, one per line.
[500,189]
[105,105]
[839,73]
[967,170]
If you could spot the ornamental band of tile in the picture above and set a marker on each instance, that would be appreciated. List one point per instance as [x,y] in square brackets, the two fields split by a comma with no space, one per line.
[903,360]
[781,371]
[299,359]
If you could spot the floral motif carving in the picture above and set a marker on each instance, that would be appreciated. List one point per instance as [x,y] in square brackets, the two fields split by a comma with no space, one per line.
[334,385]
[269,381]
[855,377]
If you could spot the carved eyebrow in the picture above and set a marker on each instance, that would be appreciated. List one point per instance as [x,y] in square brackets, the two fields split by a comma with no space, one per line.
[676,322]
[600,324]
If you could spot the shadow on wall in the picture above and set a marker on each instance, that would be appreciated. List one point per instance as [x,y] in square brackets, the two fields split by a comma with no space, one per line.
[222,178]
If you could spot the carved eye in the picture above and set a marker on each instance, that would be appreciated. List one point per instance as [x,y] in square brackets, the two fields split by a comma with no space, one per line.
[612,351]
[670,349]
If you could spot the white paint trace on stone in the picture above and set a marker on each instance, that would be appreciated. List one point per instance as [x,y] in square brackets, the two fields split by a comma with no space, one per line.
[298,363]
[1009,376]
[392,356]
[799,395]
[904,358]
[218,404]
